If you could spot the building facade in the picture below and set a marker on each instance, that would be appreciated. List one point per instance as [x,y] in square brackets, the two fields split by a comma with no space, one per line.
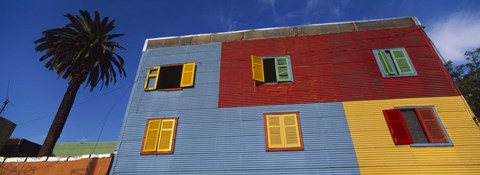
[364,97]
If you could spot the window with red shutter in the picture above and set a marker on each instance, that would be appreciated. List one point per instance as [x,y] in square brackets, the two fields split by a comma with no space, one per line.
[430,125]
[418,126]
[397,126]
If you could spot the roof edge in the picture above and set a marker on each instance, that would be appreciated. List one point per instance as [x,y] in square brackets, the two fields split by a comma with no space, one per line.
[280,32]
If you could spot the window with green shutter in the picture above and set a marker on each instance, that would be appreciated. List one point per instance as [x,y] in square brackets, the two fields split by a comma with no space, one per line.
[271,69]
[394,62]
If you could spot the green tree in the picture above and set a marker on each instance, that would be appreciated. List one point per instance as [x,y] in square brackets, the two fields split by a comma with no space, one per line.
[80,52]
[467,78]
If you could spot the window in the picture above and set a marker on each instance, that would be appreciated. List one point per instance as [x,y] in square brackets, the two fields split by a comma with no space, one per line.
[283,132]
[170,77]
[159,136]
[394,62]
[418,126]
[271,69]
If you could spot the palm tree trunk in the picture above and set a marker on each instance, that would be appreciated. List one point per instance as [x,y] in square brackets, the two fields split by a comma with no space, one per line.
[60,118]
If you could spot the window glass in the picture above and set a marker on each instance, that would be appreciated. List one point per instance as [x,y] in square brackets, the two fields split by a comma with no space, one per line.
[170,77]
[269,68]
[414,126]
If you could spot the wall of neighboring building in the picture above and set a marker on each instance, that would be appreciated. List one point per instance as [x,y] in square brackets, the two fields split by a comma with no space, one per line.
[212,140]
[6,130]
[82,148]
[17,147]
[333,68]
[377,154]
[42,166]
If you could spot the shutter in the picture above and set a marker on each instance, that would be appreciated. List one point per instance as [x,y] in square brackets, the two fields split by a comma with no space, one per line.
[151,136]
[188,75]
[401,61]
[282,69]
[292,134]
[386,66]
[431,126]
[166,135]
[152,75]
[398,128]
[274,131]
[257,69]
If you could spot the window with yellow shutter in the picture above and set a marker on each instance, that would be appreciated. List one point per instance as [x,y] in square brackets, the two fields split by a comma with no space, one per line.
[170,77]
[283,132]
[271,70]
[159,136]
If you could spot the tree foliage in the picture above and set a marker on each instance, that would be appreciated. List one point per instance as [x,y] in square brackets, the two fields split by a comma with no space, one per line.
[84,47]
[467,78]
[83,51]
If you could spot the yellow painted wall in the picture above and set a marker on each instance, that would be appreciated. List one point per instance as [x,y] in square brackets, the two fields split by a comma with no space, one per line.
[377,154]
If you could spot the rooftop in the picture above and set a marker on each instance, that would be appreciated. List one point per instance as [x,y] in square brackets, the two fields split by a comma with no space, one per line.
[82,148]
[280,32]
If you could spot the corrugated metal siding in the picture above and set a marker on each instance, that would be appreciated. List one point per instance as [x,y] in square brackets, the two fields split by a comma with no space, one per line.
[212,140]
[332,68]
[377,154]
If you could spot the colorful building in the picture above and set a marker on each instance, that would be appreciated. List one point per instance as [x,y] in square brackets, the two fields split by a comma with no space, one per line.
[363,97]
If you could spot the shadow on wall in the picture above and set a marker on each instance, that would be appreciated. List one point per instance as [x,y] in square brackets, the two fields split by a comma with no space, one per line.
[90,170]
[87,166]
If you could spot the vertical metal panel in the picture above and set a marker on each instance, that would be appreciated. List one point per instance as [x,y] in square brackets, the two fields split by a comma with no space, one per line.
[332,68]
[377,154]
[212,140]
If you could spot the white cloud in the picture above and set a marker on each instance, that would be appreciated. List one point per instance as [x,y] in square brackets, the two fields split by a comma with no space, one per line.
[83,139]
[456,34]
[39,139]
[228,23]
[335,11]
[225,18]
[270,6]
[315,9]
[263,5]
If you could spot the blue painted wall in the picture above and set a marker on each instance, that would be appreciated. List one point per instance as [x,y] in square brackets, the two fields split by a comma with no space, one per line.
[227,140]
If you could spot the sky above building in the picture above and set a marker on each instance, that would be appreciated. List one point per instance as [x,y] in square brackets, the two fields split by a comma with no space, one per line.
[35,93]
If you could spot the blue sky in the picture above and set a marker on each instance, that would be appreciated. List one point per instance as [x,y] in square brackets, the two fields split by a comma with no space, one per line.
[35,93]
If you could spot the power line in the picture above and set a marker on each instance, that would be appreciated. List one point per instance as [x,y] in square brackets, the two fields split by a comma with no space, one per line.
[74,106]
[105,120]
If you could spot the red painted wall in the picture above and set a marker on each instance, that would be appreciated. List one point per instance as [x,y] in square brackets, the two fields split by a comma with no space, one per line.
[332,68]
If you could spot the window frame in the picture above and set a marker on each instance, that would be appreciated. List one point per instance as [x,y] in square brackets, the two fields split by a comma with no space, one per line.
[297,116]
[149,75]
[392,63]
[290,69]
[450,143]
[159,68]
[174,136]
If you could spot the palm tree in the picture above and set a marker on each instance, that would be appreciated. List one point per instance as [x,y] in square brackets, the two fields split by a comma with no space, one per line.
[80,52]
